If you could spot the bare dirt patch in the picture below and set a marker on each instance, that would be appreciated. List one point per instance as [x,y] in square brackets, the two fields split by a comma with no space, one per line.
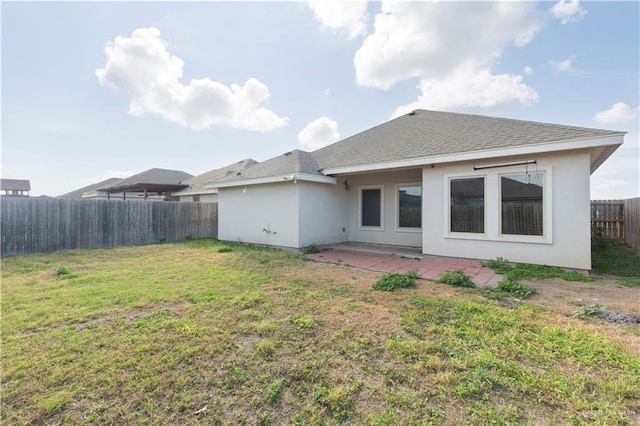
[566,297]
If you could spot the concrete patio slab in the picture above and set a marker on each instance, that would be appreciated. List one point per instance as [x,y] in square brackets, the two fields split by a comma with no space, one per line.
[428,267]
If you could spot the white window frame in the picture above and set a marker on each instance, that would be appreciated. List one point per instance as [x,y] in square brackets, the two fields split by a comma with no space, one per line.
[493,206]
[371,228]
[547,223]
[397,207]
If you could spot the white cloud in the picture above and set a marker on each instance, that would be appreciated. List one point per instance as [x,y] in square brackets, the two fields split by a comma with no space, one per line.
[318,133]
[527,70]
[345,16]
[618,113]
[468,87]
[327,91]
[427,40]
[568,11]
[562,66]
[142,68]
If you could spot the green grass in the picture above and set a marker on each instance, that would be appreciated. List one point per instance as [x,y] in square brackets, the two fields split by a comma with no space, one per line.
[616,259]
[185,333]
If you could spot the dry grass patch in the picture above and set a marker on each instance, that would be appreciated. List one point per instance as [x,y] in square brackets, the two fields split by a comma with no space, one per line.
[184,334]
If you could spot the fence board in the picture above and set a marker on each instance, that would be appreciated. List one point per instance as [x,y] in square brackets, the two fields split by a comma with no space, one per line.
[32,225]
[607,216]
[632,222]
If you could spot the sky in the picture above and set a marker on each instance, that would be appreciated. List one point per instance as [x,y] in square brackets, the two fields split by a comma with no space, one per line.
[92,90]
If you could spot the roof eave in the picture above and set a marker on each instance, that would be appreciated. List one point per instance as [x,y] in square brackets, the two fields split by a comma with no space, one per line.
[612,142]
[289,177]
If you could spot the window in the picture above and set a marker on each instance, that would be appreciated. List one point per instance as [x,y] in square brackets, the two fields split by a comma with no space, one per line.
[196,198]
[522,203]
[409,206]
[467,205]
[371,207]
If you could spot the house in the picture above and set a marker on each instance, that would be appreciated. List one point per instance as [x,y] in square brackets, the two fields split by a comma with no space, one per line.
[154,183]
[15,187]
[487,187]
[91,191]
[197,192]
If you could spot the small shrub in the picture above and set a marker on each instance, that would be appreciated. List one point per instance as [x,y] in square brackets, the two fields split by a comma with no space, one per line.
[311,249]
[456,279]
[390,282]
[224,249]
[64,273]
[521,291]
[588,311]
[63,270]
[499,264]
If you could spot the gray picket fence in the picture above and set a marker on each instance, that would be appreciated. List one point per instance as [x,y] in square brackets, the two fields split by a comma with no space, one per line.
[33,225]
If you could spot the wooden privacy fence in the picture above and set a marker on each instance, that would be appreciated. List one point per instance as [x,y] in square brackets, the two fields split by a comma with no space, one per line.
[617,220]
[607,219]
[31,225]
[632,222]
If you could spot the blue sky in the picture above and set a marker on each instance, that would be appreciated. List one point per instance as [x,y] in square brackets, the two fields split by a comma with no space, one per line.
[95,90]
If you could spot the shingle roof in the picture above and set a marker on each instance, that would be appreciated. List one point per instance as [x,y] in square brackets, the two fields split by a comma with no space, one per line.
[15,185]
[155,177]
[295,161]
[423,134]
[432,133]
[90,188]
[196,183]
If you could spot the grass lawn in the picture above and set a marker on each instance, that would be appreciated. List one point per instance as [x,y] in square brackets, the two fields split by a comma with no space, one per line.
[201,332]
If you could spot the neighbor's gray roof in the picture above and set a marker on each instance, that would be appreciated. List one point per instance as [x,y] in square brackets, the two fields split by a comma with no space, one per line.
[197,183]
[158,179]
[432,133]
[295,161]
[89,188]
[15,185]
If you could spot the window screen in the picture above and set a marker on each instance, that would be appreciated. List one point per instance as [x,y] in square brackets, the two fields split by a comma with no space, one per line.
[371,207]
[467,205]
[522,203]
[410,206]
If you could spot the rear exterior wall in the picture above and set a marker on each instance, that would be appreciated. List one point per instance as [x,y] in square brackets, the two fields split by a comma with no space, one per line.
[566,242]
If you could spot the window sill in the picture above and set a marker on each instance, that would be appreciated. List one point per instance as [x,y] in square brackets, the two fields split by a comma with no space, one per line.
[523,239]
[409,230]
[371,228]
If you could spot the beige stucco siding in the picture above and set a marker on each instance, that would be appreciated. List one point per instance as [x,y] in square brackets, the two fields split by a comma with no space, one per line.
[389,232]
[566,241]
[259,214]
[323,213]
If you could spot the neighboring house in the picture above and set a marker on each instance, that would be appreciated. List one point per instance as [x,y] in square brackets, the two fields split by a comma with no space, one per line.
[488,187]
[91,191]
[15,187]
[196,191]
[150,184]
